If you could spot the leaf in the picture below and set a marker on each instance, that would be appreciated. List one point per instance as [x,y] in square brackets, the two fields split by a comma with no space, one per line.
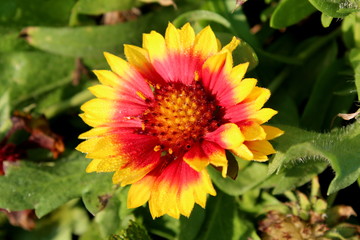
[301,172]
[5,122]
[191,227]
[65,222]
[219,218]
[29,74]
[327,82]
[351,30]
[330,7]
[355,62]
[44,187]
[339,148]
[10,41]
[161,2]
[197,15]
[134,231]
[35,12]
[92,41]
[289,12]
[243,53]
[97,7]
[250,175]
[326,20]
[223,220]
[115,216]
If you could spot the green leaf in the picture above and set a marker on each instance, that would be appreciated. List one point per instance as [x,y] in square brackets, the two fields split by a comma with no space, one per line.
[223,220]
[29,74]
[243,53]
[219,218]
[197,15]
[97,7]
[5,122]
[115,216]
[165,227]
[321,94]
[92,41]
[70,219]
[10,40]
[289,12]
[134,231]
[355,62]
[251,174]
[44,187]
[339,148]
[351,30]
[298,173]
[35,12]
[326,20]
[191,227]
[330,7]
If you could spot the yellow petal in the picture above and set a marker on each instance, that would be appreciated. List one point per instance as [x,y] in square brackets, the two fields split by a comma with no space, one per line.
[172,38]
[94,121]
[205,43]
[227,136]
[139,192]
[103,91]
[238,72]
[109,165]
[243,152]
[262,98]
[219,62]
[253,132]
[136,56]
[244,88]
[272,132]
[98,107]
[154,43]
[92,167]
[108,78]
[187,37]
[260,149]
[264,115]
[94,132]
[196,158]
[88,145]
[117,64]
[186,201]
[232,45]
[130,175]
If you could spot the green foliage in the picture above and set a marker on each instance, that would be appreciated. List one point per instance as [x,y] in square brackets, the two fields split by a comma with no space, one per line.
[97,7]
[289,12]
[335,8]
[339,148]
[44,187]
[299,49]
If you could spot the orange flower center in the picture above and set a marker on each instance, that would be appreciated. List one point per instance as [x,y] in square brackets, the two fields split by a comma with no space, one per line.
[180,116]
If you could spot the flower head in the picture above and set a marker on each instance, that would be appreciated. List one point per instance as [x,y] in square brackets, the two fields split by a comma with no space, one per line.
[172,109]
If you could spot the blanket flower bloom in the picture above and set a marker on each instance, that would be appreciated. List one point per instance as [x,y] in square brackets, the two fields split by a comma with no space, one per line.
[174,107]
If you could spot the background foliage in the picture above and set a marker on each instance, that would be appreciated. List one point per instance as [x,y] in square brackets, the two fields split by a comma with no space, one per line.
[307,52]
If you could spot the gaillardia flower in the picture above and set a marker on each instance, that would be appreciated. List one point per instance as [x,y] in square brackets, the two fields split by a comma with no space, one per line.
[174,107]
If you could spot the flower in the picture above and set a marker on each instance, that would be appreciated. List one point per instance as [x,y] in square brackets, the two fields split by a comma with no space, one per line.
[172,109]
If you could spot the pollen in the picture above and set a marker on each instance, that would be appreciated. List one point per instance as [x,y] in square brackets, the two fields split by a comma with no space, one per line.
[180,115]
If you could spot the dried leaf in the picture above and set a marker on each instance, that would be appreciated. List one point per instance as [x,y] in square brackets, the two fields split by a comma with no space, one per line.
[114,17]
[338,214]
[40,132]
[8,152]
[161,2]
[349,116]
[24,218]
